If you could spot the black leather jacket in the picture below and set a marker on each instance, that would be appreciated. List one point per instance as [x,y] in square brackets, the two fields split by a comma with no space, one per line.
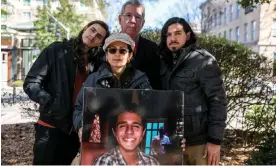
[197,74]
[50,82]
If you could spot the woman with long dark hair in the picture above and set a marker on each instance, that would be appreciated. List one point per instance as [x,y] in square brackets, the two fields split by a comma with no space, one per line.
[54,81]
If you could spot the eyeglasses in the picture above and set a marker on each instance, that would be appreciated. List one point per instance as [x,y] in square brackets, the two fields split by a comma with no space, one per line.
[129,16]
[114,50]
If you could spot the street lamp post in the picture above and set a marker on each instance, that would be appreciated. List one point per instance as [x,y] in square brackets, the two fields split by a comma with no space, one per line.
[60,24]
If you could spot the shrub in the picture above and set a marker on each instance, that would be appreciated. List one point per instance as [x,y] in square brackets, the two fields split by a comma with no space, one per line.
[266,154]
[17,83]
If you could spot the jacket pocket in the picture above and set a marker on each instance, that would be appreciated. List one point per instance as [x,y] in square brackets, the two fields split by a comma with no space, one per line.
[185,74]
[195,120]
[185,80]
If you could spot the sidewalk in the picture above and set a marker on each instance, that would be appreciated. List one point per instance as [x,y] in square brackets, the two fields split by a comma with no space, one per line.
[12,111]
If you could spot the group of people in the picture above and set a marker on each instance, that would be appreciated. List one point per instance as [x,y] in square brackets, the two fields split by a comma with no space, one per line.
[126,60]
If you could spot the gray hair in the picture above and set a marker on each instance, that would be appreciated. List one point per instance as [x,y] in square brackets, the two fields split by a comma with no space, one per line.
[133,2]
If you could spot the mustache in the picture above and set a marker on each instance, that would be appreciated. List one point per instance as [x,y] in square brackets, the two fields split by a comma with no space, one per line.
[174,42]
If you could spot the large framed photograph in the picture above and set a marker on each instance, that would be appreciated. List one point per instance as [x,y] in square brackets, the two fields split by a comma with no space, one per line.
[127,127]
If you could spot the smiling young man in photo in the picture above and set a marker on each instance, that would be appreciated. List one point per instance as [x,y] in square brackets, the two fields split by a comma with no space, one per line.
[129,132]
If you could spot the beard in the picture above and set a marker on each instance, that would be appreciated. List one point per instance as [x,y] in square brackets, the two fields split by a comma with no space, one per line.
[174,49]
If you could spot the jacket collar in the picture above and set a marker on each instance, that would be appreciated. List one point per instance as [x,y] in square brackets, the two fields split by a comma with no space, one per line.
[128,78]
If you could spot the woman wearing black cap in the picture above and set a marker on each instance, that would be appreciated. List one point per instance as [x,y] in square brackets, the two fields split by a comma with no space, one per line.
[116,72]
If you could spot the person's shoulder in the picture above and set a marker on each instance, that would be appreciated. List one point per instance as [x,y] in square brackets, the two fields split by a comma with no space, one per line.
[204,53]
[104,159]
[138,74]
[58,44]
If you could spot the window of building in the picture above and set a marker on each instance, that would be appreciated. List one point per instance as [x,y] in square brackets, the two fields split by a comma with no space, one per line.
[224,34]
[215,20]
[42,2]
[3,27]
[27,15]
[82,4]
[4,17]
[231,13]
[211,22]
[151,132]
[238,7]
[237,34]
[230,34]
[274,27]
[274,64]
[225,16]
[253,30]
[245,32]
[27,43]
[220,19]
[248,10]
[27,2]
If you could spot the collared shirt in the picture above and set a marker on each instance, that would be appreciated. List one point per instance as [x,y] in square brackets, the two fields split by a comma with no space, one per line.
[114,157]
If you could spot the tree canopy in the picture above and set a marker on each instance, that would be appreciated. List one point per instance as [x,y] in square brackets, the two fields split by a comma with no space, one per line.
[252,3]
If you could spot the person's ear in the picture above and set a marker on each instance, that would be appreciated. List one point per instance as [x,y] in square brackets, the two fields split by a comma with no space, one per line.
[144,132]
[142,24]
[120,19]
[113,132]
[106,58]
[188,35]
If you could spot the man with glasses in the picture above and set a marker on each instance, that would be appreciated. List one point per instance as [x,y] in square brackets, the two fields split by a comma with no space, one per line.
[145,58]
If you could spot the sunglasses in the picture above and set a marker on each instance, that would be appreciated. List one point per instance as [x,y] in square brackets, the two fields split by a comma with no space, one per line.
[114,50]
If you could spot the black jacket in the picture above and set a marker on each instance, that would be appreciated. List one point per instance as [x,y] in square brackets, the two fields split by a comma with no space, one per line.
[147,60]
[50,82]
[197,74]
[103,78]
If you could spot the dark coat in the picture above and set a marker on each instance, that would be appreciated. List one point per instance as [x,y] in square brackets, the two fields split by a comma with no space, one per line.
[50,82]
[103,78]
[147,60]
[197,74]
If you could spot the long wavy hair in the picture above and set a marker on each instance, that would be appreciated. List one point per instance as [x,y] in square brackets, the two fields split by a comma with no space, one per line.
[165,53]
[94,53]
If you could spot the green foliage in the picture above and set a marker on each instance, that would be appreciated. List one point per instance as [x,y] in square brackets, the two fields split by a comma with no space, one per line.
[252,3]
[65,11]
[262,117]
[266,154]
[17,83]
[151,34]
[4,12]
[245,75]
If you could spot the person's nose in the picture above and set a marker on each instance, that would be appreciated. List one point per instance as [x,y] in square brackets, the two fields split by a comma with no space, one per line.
[129,130]
[132,19]
[93,35]
[173,38]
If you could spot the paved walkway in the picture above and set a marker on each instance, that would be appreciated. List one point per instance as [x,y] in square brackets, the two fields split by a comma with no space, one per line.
[14,112]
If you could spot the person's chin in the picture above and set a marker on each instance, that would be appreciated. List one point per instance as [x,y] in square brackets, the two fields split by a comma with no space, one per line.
[174,49]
